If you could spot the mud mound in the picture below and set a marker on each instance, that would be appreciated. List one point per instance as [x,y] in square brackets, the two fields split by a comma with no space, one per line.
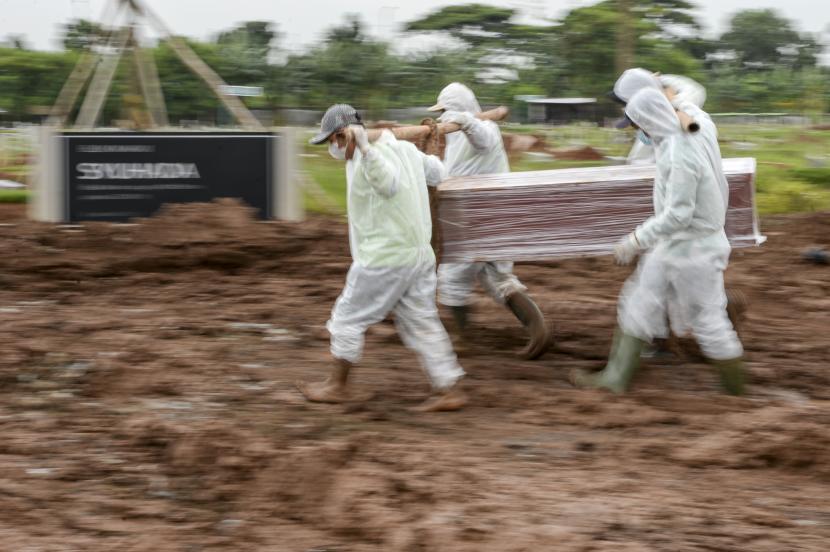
[223,235]
[585,153]
[773,437]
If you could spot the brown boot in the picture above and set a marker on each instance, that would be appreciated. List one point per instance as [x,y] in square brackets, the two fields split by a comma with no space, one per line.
[736,306]
[444,401]
[533,320]
[333,389]
[460,334]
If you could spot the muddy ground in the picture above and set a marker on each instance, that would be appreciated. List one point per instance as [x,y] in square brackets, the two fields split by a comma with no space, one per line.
[147,403]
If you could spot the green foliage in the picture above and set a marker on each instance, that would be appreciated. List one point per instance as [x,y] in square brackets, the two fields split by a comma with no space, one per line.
[244,53]
[819,176]
[588,43]
[31,80]
[348,66]
[763,38]
[473,23]
[14,196]
[186,95]
[773,69]
[82,34]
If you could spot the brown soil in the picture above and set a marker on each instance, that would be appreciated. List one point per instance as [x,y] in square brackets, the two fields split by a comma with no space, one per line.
[147,403]
[585,153]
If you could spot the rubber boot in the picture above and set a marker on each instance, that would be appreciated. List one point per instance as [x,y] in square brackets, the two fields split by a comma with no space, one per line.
[736,306]
[459,316]
[533,320]
[623,363]
[731,375]
[817,256]
[333,389]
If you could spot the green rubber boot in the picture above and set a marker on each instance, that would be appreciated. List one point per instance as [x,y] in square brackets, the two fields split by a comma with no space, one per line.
[622,365]
[459,316]
[731,375]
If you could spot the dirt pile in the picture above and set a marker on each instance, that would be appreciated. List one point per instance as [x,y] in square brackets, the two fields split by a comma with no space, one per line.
[774,437]
[223,235]
[585,153]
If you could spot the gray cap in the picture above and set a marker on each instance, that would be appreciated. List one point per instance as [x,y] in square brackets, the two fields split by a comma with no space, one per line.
[337,117]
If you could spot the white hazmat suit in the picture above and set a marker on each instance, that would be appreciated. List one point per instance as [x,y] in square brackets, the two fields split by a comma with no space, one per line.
[478,149]
[687,248]
[686,91]
[393,268]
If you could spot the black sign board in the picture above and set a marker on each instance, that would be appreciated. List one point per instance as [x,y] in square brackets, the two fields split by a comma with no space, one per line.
[116,176]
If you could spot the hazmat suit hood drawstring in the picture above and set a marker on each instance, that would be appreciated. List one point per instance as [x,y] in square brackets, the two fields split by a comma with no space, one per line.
[457,97]
[650,110]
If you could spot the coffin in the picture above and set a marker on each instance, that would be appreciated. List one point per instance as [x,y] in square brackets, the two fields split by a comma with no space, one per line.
[529,216]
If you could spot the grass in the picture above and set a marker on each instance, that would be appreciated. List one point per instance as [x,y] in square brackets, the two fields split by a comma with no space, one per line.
[14,196]
[788,179]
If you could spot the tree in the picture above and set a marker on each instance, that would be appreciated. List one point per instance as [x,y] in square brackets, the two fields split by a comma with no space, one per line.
[763,38]
[246,51]
[587,42]
[348,66]
[82,34]
[30,80]
[475,24]
[492,41]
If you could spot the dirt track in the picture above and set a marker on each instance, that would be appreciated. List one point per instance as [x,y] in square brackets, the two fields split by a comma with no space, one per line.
[146,403]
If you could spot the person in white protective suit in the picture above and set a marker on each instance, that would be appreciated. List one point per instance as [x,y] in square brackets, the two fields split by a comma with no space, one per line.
[688,96]
[479,149]
[684,250]
[393,264]
[680,90]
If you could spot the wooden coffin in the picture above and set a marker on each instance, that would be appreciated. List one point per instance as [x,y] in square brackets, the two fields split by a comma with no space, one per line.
[528,216]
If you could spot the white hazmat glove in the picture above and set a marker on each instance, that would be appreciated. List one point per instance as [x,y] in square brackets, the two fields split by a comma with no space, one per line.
[627,249]
[462,118]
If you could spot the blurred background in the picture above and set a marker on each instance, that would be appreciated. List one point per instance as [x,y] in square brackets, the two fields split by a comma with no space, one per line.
[766,70]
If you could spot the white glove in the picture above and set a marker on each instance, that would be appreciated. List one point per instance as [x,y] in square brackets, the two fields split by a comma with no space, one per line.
[361,137]
[462,118]
[627,249]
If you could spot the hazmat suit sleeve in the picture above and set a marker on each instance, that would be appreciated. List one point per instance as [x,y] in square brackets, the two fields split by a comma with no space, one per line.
[380,173]
[483,136]
[685,90]
[680,194]
[434,170]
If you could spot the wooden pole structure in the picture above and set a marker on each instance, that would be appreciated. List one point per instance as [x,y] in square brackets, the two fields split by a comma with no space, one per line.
[233,104]
[101,82]
[148,80]
[71,90]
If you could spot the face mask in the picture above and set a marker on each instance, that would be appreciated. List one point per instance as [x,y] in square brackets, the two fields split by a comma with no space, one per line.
[643,137]
[337,152]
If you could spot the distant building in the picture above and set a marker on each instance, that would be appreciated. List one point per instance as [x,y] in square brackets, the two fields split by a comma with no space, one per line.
[561,111]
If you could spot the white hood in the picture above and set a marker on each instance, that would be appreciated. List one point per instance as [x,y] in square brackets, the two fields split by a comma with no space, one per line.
[457,97]
[634,80]
[650,110]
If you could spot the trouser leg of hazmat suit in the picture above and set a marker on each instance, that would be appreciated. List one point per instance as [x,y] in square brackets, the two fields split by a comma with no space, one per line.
[456,281]
[371,294]
[455,287]
[690,272]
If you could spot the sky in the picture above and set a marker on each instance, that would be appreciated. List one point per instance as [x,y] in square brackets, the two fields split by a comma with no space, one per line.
[303,22]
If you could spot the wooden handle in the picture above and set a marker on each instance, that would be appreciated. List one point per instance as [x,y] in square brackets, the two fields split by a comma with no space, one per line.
[411,133]
[688,124]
